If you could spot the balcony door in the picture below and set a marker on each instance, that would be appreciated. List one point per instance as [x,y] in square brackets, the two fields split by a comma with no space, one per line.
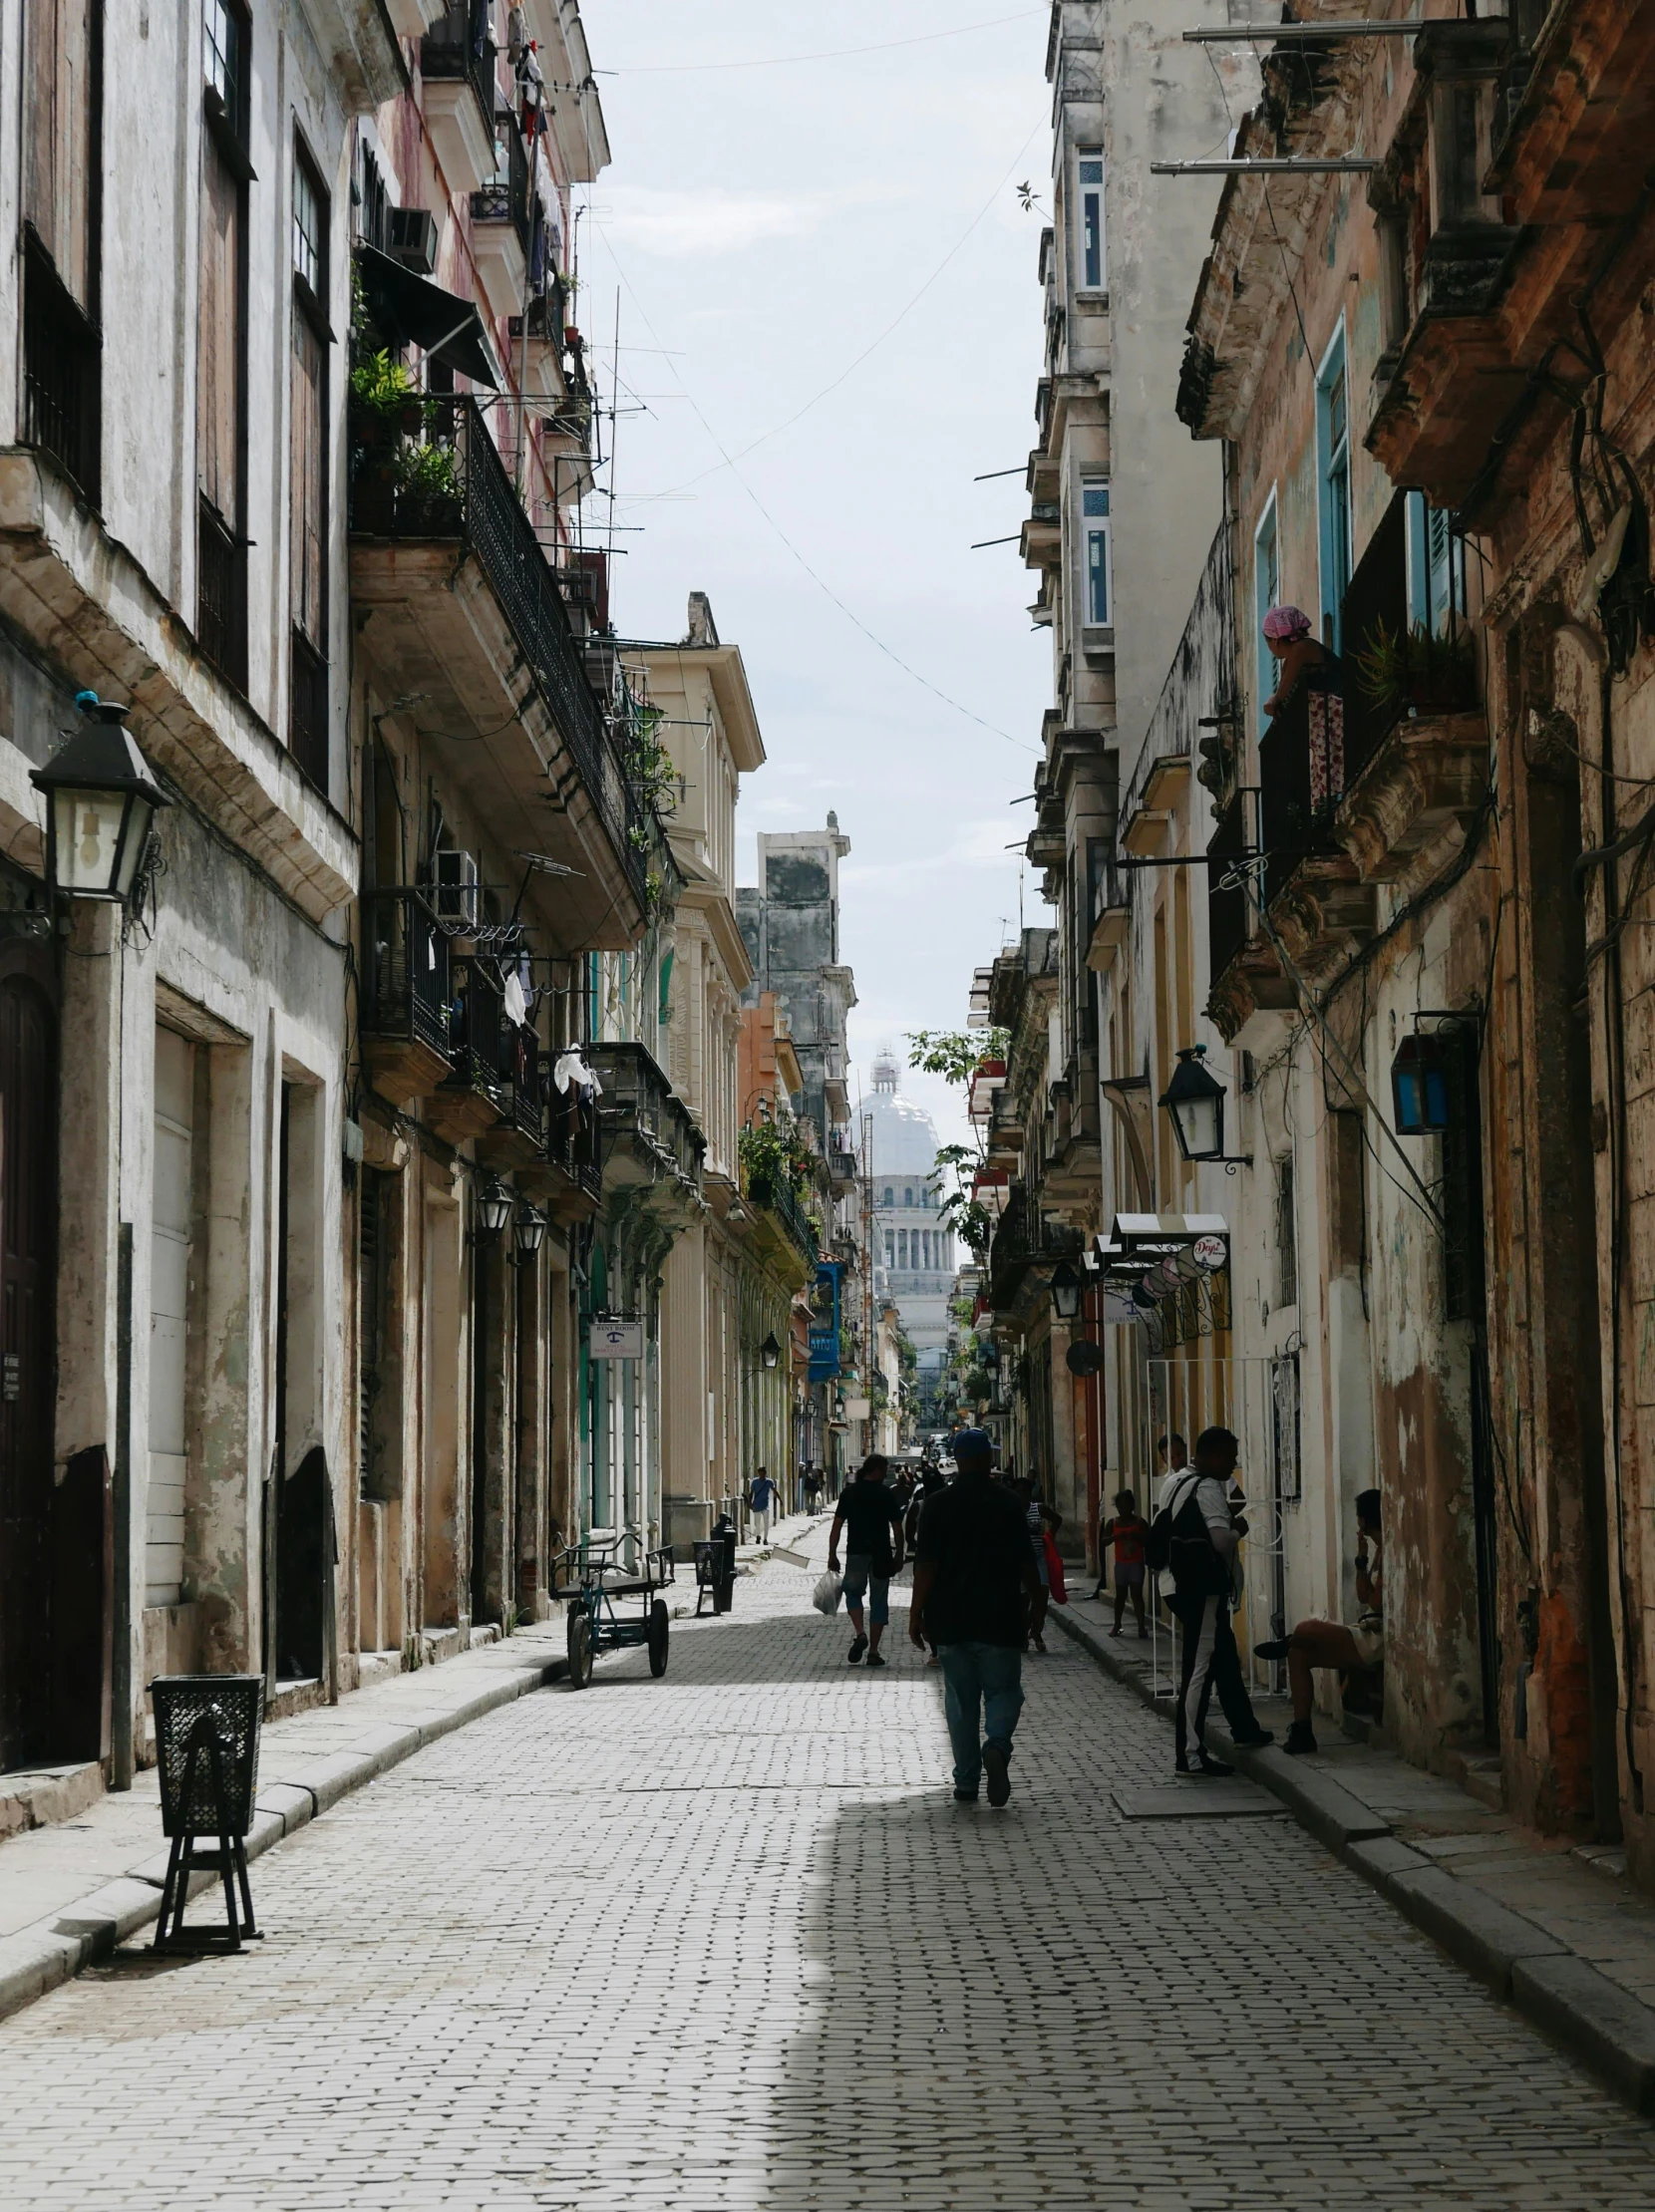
[28,1241]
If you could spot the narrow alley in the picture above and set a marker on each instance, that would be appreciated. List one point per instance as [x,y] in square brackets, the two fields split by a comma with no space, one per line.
[724,1939]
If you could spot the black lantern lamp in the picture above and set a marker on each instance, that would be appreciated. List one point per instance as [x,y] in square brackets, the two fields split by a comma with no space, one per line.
[1420,1086]
[770,1353]
[1195,1100]
[494,1207]
[528,1232]
[1066,1290]
[100,802]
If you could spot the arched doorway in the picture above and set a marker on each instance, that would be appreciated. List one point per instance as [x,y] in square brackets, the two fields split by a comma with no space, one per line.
[28,1337]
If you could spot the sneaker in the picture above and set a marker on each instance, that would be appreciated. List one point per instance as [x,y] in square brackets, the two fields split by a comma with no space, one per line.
[1300,1739]
[877,1658]
[1278,1649]
[995,1758]
[857,1649]
[1254,1743]
[965,1797]
[1203,1768]
[1114,1632]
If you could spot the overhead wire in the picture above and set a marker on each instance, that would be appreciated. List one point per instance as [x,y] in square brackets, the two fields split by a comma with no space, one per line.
[831,54]
[821,582]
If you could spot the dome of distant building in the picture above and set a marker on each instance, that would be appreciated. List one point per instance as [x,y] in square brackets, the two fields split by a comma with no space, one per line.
[904,1136]
[914,1253]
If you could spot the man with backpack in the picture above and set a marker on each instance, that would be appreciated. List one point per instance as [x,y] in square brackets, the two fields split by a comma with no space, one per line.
[1194,1539]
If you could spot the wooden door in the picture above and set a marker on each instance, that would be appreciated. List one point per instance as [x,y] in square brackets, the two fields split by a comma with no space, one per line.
[28,1237]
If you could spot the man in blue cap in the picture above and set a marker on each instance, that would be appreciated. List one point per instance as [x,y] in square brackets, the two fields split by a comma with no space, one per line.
[974,1582]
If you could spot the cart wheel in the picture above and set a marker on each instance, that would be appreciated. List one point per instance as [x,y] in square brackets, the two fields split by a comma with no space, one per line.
[658,1638]
[580,1649]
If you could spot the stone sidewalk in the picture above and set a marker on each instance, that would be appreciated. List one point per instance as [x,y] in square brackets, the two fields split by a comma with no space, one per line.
[725,1940]
[1561,1933]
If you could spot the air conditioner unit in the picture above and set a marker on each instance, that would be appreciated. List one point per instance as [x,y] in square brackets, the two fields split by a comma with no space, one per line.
[456,888]
[411,238]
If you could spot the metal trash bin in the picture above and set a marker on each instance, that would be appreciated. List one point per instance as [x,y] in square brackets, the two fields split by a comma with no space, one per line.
[207,1746]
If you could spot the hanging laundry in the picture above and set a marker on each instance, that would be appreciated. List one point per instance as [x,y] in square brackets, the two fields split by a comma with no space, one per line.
[516,34]
[570,1068]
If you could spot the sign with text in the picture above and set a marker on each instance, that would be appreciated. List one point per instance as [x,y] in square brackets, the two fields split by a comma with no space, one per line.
[615,1340]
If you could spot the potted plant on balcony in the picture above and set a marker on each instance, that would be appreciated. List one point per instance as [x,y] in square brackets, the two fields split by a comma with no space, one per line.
[430,498]
[1418,672]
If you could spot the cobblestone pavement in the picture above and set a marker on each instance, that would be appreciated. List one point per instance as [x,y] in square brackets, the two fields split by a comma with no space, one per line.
[725,1940]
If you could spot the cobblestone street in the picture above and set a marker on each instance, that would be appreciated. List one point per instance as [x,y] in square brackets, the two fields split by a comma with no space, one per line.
[725,1939]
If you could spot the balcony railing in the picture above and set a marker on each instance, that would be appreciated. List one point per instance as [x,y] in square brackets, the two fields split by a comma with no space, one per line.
[775,1194]
[477,1036]
[506,198]
[1227,914]
[638,1105]
[572,1139]
[452,49]
[220,594]
[526,1109]
[307,721]
[453,484]
[1301,772]
[62,371]
[406,962]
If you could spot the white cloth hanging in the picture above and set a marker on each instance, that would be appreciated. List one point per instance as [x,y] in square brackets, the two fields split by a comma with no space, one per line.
[570,1068]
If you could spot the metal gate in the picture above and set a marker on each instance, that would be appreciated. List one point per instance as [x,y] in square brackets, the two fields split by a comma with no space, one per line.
[1259,1400]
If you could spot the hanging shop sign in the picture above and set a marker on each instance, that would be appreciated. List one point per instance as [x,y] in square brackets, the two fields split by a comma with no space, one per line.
[857,1409]
[611,1338]
[825,1321]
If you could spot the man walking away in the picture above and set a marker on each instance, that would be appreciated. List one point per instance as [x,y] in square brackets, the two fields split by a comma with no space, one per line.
[872,1522]
[1202,1553]
[974,1586]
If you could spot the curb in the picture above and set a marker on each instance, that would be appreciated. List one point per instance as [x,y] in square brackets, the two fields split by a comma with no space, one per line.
[292,1794]
[1593,2019]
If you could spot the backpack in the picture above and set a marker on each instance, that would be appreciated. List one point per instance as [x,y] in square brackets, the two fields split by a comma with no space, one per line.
[1178,1544]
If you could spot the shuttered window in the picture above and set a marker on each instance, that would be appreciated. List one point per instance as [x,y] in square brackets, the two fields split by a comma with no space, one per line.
[220,373]
[61,151]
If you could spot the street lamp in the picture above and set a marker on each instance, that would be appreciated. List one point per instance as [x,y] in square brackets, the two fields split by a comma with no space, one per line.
[494,1207]
[1195,1100]
[1419,1085]
[1066,1290]
[528,1232]
[769,1353]
[100,802]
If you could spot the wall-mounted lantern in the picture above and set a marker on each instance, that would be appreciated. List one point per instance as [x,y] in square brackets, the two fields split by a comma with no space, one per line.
[494,1207]
[1066,1290]
[100,802]
[769,1353]
[1420,1086]
[528,1233]
[1195,1100]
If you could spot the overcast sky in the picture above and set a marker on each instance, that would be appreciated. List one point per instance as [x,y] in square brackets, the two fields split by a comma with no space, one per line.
[764,226]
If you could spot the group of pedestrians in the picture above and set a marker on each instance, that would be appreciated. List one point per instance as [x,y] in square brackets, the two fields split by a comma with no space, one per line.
[986,1565]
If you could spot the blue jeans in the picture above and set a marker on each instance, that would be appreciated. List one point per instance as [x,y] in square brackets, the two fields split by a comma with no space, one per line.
[860,1576]
[985,1675]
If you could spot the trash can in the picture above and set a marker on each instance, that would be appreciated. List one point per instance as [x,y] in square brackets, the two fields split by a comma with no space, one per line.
[207,1747]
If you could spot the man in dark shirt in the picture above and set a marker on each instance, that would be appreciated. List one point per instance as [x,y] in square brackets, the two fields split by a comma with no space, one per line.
[974,1582]
[872,1517]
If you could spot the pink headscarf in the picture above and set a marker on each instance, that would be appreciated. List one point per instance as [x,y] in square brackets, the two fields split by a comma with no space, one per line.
[1286,622]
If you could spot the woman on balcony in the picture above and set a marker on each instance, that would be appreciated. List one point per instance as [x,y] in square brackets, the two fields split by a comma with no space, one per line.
[1306,660]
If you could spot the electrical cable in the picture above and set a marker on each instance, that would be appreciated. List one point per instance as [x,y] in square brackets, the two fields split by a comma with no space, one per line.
[851,367]
[826,589]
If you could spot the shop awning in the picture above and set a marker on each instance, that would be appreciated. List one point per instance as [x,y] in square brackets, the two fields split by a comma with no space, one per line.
[411,311]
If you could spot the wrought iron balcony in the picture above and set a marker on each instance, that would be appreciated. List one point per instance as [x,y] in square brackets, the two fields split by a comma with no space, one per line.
[450,483]
[450,51]
[62,371]
[649,1135]
[477,1092]
[573,1141]
[405,995]
[776,1196]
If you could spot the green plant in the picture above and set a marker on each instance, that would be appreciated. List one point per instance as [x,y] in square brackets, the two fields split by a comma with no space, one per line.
[956,1054]
[648,764]
[775,1155]
[1418,667]
[383,385]
[429,472]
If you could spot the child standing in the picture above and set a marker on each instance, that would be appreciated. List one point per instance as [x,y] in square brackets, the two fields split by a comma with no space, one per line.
[1126,1531]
